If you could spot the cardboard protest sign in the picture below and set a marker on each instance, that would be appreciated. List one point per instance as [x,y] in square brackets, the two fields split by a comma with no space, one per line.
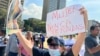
[14,12]
[65,21]
[15,9]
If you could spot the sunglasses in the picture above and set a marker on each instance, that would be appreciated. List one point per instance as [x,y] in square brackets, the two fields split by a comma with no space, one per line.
[53,44]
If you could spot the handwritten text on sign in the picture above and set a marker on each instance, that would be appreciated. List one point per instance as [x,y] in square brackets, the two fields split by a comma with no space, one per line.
[65,21]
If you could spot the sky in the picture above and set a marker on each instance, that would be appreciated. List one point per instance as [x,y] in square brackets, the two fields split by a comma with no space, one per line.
[33,8]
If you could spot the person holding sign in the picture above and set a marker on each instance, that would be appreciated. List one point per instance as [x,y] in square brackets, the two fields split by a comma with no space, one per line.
[53,42]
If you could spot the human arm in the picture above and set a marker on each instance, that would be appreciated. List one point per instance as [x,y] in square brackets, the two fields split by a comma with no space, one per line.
[81,36]
[25,43]
[94,49]
[32,51]
[90,46]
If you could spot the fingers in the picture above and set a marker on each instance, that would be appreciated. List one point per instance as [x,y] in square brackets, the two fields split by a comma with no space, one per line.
[83,10]
[16,24]
[85,18]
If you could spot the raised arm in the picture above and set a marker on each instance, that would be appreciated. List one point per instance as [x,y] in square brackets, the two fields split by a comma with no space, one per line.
[25,43]
[81,36]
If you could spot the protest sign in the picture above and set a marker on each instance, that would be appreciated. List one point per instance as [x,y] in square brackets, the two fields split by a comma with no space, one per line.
[14,12]
[66,21]
[15,9]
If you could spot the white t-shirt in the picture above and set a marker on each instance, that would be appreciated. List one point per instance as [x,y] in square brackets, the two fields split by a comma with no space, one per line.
[72,42]
[69,41]
[82,51]
[1,40]
[98,40]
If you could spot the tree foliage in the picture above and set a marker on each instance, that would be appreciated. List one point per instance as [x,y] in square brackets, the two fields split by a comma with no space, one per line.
[3,13]
[35,25]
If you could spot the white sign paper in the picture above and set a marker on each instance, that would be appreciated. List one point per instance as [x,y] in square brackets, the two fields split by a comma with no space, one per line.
[65,21]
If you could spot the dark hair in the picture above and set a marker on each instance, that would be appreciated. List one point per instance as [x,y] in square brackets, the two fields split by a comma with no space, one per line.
[61,42]
[3,31]
[93,27]
[34,37]
[71,35]
[31,37]
[41,35]
[53,41]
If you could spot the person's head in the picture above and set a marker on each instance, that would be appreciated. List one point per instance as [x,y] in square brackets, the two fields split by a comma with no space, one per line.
[29,35]
[41,35]
[70,37]
[62,46]
[34,37]
[2,32]
[54,44]
[94,30]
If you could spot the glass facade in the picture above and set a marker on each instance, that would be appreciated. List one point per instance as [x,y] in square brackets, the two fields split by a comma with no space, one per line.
[51,5]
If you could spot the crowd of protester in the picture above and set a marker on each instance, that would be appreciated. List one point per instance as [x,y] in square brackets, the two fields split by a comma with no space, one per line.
[33,45]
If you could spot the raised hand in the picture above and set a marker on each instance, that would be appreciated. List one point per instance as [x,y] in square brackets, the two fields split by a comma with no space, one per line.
[16,24]
[84,13]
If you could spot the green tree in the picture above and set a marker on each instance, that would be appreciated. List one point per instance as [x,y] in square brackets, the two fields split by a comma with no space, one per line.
[28,28]
[3,13]
[36,24]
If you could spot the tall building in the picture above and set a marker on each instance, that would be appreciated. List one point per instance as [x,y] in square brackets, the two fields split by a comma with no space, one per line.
[4,4]
[51,5]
